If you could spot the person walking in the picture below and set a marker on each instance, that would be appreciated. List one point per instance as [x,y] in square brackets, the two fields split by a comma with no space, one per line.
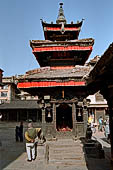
[30,136]
[100,128]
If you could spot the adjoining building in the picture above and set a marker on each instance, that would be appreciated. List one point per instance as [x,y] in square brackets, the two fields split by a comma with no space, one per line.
[101,79]
[16,105]
[1,74]
[8,90]
[97,107]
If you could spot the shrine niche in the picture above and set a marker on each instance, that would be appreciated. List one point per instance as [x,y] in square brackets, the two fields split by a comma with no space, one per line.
[64,118]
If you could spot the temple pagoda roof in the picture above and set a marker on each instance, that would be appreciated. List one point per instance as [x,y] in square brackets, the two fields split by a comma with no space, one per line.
[52,77]
[59,53]
[81,42]
[61,30]
[49,73]
[57,26]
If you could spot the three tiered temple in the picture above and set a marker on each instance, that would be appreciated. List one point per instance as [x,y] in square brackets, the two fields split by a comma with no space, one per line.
[59,83]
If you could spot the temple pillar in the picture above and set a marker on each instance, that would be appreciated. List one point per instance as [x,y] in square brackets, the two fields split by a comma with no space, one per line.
[43,121]
[74,119]
[85,118]
[54,115]
[54,119]
[85,115]
[74,112]
[43,116]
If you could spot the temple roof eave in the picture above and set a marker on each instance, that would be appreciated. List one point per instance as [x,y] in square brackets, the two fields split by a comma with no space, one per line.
[51,74]
[44,24]
[51,84]
[73,30]
[82,42]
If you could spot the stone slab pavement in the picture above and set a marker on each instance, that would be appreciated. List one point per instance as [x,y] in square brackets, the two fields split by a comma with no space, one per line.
[13,155]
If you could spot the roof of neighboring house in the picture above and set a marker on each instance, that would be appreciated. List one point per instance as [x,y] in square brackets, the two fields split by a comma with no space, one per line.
[102,73]
[96,102]
[20,104]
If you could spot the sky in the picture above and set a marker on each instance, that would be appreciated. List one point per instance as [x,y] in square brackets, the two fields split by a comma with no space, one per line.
[20,23]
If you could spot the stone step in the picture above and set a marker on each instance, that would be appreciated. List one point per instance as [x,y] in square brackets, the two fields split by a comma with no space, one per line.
[68,162]
[66,152]
[67,145]
[72,149]
[58,145]
[69,156]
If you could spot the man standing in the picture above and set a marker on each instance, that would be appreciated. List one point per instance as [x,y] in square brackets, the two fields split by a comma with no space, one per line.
[30,136]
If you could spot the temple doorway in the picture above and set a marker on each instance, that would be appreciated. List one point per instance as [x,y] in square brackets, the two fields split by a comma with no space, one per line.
[64,118]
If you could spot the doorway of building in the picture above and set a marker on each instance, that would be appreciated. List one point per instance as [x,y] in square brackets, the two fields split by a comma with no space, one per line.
[64,118]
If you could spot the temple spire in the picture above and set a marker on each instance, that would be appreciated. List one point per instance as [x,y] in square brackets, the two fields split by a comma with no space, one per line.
[61,17]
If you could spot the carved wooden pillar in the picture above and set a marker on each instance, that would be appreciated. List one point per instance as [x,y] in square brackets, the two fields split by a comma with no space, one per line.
[85,111]
[54,115]
[85,118]
[73,113]
[74,119]
[43,116]
[55,107]
[85,115]
[43,121]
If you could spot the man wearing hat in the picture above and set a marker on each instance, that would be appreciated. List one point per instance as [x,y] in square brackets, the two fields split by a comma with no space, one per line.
[30,136]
